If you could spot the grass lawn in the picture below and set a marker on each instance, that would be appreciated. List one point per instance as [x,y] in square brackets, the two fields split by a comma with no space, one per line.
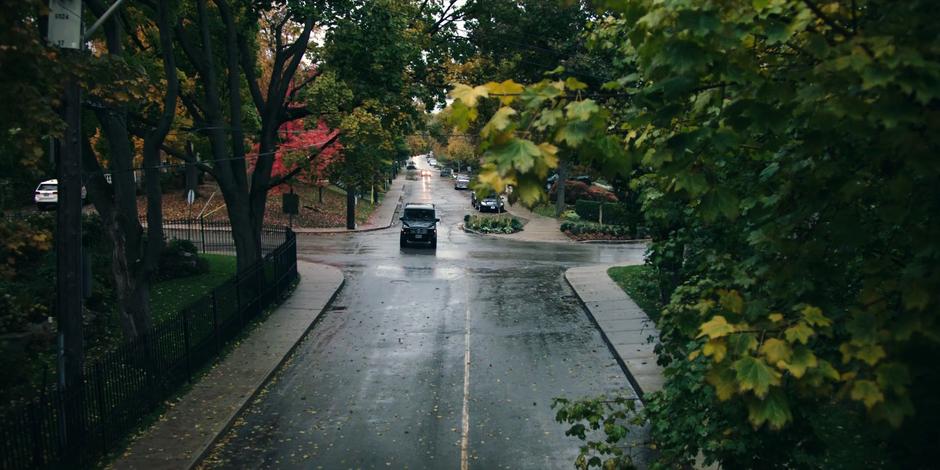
[639,282]
[314,213]
[169,297]
[548,210]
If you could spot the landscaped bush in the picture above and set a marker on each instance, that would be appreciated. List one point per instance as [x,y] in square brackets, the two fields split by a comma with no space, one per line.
[614,213]
[180,258]
[587,210]
[595,231]
[492,224]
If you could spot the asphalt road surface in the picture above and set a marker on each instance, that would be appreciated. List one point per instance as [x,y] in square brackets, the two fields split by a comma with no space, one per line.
[433,359]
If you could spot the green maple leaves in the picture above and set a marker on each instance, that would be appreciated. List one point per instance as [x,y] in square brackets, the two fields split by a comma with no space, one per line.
[523,138]
[756,360]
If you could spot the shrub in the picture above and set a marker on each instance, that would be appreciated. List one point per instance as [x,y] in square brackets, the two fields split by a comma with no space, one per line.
[614,213]
[493,224]
[180,258]
[591,228]
[587,210]
[570,215]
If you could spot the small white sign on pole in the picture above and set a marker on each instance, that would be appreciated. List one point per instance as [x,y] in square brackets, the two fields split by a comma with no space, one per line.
[65,23]
[190,197]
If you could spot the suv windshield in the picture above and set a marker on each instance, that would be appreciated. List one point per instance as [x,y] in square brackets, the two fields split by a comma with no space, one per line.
[47,187]
[419,214]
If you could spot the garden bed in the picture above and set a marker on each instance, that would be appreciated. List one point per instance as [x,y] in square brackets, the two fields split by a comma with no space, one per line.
[590,231]
[493,224]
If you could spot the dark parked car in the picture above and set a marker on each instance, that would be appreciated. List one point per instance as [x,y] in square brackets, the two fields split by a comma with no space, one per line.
[419,225]
[446,171]
[491,203]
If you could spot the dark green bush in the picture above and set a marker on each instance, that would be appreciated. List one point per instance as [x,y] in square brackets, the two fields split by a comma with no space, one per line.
[587,210]
[584,228]
[614,213]
[180,258]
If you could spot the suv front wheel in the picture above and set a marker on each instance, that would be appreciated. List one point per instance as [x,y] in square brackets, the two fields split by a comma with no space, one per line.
[401,242]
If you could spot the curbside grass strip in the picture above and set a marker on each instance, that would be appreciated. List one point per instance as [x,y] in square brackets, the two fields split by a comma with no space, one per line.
[609,308]
[191,427]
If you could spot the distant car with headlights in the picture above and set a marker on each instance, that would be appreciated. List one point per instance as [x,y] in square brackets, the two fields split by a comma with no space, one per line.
[462,182]
[419,225]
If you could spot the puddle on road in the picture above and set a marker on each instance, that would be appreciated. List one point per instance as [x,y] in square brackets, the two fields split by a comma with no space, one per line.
[403,272]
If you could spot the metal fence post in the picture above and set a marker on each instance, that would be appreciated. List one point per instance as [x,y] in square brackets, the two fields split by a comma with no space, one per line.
[36,433]
[202,232]
[189,369]
[238,298]
[215,323]
[102,410]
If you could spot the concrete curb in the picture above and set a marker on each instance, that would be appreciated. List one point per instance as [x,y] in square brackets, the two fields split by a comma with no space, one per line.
[615,242]
[336,230]
[202,454]
[191,426]
[624,327]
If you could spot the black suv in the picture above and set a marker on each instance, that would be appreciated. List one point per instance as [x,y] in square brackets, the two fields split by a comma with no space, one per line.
[419,225]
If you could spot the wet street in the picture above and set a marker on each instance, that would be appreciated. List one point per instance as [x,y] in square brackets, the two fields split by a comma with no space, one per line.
[433,359]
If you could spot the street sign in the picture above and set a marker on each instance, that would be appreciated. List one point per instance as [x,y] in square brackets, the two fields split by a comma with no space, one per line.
[291,203]
[190,197]
[65,24]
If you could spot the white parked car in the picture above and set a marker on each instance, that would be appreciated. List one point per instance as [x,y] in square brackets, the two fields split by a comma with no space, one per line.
[47,194]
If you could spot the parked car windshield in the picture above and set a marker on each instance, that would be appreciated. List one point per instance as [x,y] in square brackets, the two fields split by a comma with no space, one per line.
[47,187]
[419,214]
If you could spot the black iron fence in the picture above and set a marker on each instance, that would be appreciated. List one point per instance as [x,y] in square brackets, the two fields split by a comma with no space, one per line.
[78,427]
[216,236]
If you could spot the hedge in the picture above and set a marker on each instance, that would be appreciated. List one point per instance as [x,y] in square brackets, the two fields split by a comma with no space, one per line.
[614,213]
[578,228]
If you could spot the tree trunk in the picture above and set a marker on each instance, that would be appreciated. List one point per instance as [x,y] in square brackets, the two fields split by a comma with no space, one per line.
[350,207]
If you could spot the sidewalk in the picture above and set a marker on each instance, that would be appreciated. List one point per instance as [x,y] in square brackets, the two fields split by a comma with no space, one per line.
[626,329]
[537,229]
[191,425]
[381,218]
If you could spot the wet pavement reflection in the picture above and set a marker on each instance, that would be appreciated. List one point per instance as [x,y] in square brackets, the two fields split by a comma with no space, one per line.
[381,380]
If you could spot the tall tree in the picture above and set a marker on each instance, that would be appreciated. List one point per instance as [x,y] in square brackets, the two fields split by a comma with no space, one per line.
[787,152]
[134,257]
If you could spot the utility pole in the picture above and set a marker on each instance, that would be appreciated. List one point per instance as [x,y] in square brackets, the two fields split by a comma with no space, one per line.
[68,242]
[65,32]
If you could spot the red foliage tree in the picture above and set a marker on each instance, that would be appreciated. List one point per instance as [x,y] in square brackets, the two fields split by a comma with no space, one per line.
[297,143]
